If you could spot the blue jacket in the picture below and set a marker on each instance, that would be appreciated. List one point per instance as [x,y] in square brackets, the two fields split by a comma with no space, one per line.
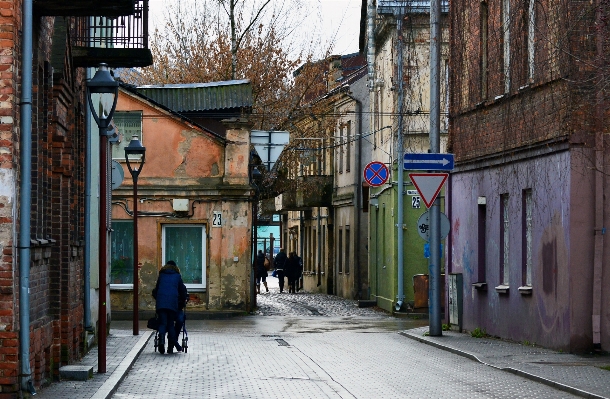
[170,291]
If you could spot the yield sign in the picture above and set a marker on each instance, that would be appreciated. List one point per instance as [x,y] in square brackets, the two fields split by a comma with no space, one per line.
[428,185]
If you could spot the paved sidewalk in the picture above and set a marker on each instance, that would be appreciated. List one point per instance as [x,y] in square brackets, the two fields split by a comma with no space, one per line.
[122,350]
[578,375]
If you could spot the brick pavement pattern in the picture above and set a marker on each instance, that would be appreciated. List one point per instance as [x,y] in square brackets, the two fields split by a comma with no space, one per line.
[318,346]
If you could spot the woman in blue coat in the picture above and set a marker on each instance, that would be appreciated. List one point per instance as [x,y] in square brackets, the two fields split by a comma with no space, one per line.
[169,292]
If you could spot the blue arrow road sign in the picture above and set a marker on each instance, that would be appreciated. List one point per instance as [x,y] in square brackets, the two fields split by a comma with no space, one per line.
[428,161]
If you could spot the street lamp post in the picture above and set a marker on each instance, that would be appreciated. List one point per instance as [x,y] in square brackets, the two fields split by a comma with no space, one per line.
[103,84]
[135,155]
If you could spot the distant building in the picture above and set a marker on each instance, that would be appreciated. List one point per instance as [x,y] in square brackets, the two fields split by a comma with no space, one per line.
[195,197]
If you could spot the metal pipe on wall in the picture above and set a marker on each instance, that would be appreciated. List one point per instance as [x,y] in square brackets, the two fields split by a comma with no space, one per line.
[399,165]
[25,201]
[434,266]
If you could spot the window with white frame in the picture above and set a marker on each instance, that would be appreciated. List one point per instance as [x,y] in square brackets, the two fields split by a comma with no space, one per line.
[505,248]
[348,146]
[506,43]
[531,28]
[129,123]
[527,237]
[186,245]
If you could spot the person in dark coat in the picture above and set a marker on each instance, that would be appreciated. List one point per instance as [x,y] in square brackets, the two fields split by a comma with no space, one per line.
[169,293]
[298,281]
[261,272]
[279,263]
[292,271]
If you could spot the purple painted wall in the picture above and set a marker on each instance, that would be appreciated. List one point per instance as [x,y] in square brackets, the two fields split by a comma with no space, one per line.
[557,314]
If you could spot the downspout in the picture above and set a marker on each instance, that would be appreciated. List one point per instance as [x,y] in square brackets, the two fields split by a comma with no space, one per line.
[87,282]
[599,190]
[25,202]
[359,233]
[400,169]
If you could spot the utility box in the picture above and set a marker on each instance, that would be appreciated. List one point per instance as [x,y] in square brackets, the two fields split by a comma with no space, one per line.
[455,292]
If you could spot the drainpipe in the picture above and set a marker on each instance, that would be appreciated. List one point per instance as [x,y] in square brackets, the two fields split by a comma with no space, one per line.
[370,43]
[399,166]
[599,190]
[359,233]
[87,282]
[25,202]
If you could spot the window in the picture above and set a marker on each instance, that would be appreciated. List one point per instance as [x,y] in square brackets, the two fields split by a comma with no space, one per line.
[340,149]
[504,239]
[347,249]
[483,40]
[482,242]
[186,245]
[129,124]
[340,252]
[121,252]
[527,238]
[348,146]
[531,26]
[506,43]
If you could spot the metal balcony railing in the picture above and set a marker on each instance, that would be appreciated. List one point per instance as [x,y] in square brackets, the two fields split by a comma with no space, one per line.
[129,31]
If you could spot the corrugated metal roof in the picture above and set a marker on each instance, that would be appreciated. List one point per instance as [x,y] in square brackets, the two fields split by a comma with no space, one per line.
[193,97]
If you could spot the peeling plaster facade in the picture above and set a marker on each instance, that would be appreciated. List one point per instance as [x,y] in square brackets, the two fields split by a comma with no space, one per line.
[210,172]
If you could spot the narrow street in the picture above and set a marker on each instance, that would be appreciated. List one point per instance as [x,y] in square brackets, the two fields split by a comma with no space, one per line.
[315,346]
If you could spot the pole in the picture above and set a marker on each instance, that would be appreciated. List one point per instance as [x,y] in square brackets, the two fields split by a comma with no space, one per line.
[136,274]
[400,168]
[434,266]
[103,232]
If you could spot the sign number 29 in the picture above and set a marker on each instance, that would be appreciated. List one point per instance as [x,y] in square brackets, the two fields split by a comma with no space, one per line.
[416,202]
[217,219]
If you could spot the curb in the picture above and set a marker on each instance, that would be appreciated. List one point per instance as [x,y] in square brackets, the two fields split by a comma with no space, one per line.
[545,381]
[118,375]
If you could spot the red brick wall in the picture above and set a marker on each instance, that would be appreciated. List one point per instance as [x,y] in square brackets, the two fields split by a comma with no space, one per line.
[555,104]
[57,217]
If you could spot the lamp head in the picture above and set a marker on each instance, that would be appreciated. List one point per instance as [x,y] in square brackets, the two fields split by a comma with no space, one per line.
[103,84]
[137,151]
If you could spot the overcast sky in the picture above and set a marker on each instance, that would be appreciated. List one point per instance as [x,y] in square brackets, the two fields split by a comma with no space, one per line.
[340,18]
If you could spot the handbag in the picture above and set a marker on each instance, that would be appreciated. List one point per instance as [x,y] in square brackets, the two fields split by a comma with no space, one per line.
[267,264]
[153,323]
[274,273]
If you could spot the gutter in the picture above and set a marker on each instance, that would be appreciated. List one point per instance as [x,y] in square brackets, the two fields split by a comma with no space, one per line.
[25,200]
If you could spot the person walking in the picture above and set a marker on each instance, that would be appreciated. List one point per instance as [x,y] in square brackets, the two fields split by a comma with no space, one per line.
[261,271]
[169,292]
[279,263]
[292,270]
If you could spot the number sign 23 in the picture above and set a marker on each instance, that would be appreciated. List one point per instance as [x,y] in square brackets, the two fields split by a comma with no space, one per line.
[217,219]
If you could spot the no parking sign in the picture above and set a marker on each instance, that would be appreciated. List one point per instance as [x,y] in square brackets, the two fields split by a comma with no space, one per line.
[376,173]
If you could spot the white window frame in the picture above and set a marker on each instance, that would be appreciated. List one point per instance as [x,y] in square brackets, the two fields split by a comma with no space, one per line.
[204,264]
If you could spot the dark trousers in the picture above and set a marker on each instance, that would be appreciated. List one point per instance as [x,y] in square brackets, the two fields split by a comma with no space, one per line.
[167,318]
[292,284]
[280,277]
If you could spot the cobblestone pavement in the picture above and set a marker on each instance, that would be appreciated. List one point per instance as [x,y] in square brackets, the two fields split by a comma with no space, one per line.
[318,346]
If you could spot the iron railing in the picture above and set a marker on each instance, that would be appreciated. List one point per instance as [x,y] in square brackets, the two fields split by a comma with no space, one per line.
[129,31]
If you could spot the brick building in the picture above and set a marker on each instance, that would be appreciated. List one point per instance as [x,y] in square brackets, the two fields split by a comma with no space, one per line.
[43,194]
[528,121]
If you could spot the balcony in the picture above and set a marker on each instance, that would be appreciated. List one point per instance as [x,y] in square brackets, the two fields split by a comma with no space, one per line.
[120,41]
[314,191]
[82,8]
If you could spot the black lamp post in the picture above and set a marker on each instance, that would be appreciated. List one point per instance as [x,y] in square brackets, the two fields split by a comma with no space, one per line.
[135,154]
[103,84]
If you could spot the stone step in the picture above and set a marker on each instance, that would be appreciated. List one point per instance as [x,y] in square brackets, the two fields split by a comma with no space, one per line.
[76,373]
